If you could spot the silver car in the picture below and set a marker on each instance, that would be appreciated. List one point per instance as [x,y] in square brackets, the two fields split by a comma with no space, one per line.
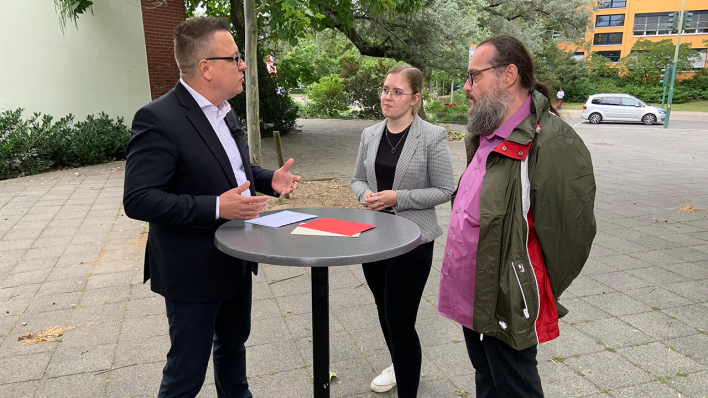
[620,108]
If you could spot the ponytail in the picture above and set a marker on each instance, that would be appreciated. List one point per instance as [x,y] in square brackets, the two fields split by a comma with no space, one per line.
[543,89]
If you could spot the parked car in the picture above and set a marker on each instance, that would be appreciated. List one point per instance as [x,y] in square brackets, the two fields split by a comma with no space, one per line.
[620,108]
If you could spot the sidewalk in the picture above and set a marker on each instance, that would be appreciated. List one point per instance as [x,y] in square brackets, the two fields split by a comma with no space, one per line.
[638,311]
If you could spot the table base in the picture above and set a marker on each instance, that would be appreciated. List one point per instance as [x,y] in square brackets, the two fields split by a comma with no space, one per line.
[320,331]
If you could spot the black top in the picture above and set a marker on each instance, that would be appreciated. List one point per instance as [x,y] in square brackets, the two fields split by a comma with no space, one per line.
[390,149]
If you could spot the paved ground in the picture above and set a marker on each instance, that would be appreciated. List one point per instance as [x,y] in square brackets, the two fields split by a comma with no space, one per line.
[637,326]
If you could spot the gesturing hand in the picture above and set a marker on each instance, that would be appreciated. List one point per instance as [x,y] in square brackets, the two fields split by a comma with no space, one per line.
[283,181]
[234,206]
[380,200]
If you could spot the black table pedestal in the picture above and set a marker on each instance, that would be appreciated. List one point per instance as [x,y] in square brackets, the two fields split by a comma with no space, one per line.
[320,330]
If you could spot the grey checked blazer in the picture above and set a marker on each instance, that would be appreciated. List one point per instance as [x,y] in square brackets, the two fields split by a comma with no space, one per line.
[423,179]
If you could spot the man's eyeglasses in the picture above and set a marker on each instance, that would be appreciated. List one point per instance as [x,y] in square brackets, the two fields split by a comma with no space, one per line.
[395,93]
[236,58]
[471,75]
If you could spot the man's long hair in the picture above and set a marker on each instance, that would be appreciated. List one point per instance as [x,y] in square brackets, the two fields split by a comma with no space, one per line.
[510,50]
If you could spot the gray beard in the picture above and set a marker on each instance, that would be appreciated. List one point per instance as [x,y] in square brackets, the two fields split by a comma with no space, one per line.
[483,118]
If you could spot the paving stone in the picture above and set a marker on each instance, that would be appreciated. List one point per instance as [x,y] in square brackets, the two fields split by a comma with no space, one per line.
[74,360]
[147,326]
[12,347]
[264,309]
[86,385]
[659,325]
[432,332]
[268,331]
[653,389]
[24,367]
[693,315]
[54,302]
[693,385]
[98,313]
[361,317]
[273,357]
[349,297]
[110,280]
[558,380]
[70,284]
[614,333]
[690,271]
[25,278]
[451,359]
[694,347]
[617,304]
[341,347]
[370,341]
[658,297]
[141,351]
[90,335]
[620,280]
[608,370]
[7,323]
[687,254]
[14,307]
[43,320]
[35,265]
[18,390]
[657,275]
[296,380]
[135,381]
[297,304]
[150,306]
[106,295]
[660,360]
[585,286]
[692,290]
[655,257]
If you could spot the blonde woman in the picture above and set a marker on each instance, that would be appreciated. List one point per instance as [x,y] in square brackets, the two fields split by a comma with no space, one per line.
[403,168]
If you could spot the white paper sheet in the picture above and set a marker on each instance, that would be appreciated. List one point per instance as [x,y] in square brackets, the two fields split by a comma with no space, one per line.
[313,232]
[281,218]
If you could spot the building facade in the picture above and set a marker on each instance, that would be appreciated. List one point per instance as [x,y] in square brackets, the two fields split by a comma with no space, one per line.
[118,60]
[618,24]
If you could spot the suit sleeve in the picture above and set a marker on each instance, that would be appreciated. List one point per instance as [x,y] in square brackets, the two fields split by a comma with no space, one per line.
[151,163]
[440,177]
[360,184]
[562,200]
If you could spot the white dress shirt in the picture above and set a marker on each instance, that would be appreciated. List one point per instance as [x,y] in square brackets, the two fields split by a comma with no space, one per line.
[215,115]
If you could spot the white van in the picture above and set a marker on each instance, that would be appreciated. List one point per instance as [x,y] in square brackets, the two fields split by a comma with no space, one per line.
[620,108]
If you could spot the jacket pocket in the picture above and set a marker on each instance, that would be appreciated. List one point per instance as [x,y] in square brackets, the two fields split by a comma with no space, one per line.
[513,313]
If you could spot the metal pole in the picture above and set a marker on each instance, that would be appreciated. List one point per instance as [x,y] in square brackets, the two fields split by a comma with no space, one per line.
[320,331]
[674,70]
[279,152]
[663,98]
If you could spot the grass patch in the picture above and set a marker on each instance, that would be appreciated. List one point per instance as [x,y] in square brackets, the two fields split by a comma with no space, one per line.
[579,373]
[557,359]
[655,309]
[610,349]
[682,374]
[461,393]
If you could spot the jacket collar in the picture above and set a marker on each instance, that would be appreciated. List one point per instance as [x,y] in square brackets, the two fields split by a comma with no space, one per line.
[526,131]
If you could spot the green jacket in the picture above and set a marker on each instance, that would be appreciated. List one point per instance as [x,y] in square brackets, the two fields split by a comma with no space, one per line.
[537,204]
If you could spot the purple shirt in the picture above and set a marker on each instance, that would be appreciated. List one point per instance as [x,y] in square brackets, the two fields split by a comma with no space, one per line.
[459,267]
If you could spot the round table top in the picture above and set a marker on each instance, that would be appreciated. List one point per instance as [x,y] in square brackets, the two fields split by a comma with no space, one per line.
[391,237]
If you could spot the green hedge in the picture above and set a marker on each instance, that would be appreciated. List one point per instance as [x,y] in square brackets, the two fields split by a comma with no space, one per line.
[39,143]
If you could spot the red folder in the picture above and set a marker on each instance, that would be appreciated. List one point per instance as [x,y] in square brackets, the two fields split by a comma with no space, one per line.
[342,227]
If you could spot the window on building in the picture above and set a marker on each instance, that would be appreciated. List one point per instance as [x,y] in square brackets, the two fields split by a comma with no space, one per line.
[613,3]
[699,61]
[607,38]
[609,20]
[652,24]
[699,22]
[613,56]
[578,56]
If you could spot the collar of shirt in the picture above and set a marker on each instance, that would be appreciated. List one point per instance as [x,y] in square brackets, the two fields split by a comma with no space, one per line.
[217,111]
[504,131]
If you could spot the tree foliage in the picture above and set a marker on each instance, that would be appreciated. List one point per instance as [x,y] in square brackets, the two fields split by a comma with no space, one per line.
[644,63]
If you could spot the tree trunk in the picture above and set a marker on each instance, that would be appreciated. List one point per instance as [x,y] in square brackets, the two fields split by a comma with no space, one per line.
[252,116]
[452,90]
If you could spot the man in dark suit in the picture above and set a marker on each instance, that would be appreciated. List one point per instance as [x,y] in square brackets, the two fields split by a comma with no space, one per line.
[187,173]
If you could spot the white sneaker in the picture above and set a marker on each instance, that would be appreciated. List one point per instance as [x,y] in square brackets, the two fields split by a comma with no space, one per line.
[385,381]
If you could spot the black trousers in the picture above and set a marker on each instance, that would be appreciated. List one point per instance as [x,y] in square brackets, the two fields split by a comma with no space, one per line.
[397,285]
[196,329]
[501,371]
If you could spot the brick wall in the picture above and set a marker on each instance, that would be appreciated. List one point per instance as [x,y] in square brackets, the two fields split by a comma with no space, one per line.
[159,19]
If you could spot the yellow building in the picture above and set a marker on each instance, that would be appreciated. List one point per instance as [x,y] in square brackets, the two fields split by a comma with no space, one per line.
[618,24]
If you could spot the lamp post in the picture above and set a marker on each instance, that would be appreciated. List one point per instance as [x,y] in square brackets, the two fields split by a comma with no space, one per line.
[674,68]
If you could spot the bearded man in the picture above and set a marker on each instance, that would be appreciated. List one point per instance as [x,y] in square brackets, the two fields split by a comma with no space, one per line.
[522,221]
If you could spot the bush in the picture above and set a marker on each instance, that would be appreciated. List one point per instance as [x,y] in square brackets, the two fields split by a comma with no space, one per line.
[328,99]
[439,111]
[38,144]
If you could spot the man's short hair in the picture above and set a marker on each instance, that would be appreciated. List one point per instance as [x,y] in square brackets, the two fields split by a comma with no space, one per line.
[193,41]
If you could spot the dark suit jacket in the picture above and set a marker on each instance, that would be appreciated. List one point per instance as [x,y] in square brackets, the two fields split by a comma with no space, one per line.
[175,169]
